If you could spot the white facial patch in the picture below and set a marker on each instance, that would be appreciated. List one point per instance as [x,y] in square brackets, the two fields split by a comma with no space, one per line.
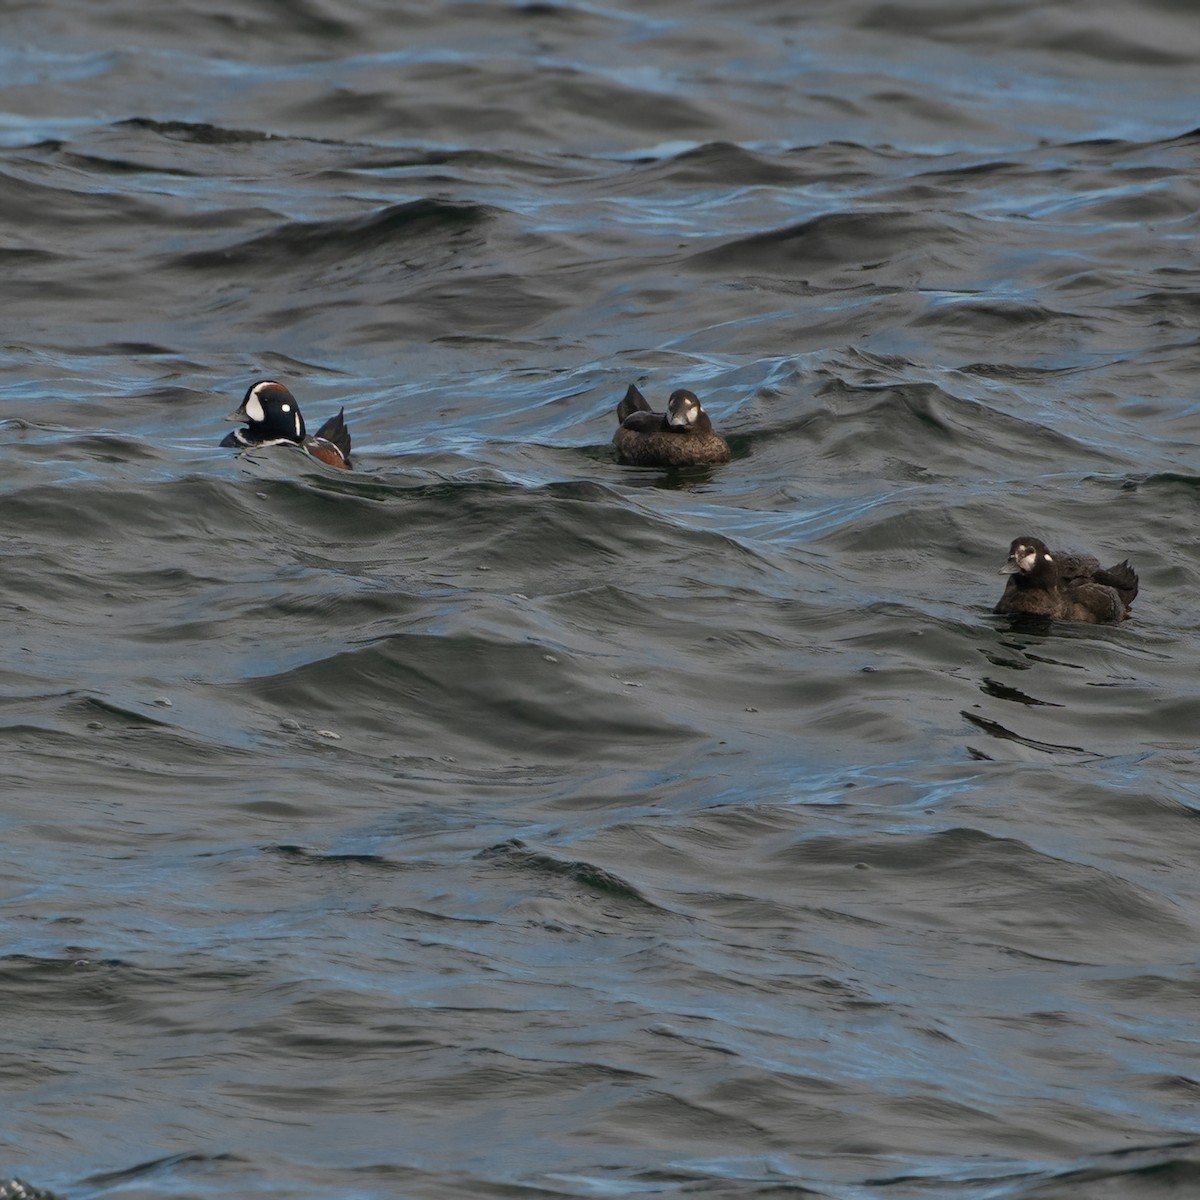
[254,408]
[1026,558]
[684,416]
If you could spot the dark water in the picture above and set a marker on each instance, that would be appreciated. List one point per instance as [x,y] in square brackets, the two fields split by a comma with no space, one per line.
[499,821]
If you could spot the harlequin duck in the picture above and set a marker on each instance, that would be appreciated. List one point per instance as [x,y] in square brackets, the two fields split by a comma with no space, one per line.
[1068,587]
[272,418]
[683,436]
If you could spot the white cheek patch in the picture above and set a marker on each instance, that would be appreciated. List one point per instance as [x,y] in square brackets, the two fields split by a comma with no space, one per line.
[1027,560]
[254,408]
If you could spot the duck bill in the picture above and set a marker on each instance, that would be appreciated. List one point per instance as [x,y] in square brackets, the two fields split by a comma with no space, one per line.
[1009,568]
[239,416]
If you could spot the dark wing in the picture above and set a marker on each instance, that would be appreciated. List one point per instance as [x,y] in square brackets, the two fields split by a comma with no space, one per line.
[633,402]
[1076,568]
[645,422]
[1094,602]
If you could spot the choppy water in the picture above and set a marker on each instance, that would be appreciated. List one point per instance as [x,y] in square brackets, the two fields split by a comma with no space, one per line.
[499,821]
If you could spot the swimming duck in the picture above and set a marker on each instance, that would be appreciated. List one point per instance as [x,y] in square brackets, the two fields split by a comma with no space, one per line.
[272,418]
[1067,587]
[683,436]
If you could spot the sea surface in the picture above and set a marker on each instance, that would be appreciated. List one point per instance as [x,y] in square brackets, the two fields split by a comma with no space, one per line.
[499,821]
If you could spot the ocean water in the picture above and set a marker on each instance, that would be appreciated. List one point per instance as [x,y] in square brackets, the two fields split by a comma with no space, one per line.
[500,821]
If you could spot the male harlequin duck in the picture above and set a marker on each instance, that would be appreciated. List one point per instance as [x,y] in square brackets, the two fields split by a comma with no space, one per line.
[1068,587]
[272,418]
[683,436]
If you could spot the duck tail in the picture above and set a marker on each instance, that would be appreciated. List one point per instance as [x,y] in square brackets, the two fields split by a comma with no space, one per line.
[334,430]
[633,402]
[1123,578]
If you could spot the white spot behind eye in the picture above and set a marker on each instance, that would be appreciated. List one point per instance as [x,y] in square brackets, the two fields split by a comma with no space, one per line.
[287,408]
[1048,558]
